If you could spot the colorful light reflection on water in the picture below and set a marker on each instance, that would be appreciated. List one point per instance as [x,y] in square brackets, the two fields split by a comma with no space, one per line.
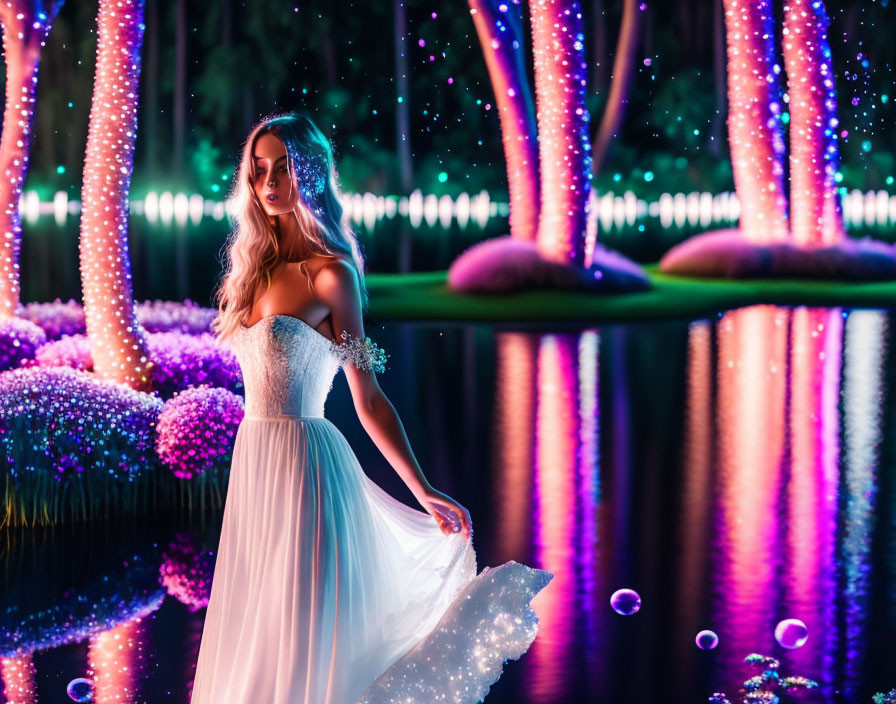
[735,472]
[775,504]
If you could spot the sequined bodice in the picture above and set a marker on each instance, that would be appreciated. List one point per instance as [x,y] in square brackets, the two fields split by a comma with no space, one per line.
[288,367]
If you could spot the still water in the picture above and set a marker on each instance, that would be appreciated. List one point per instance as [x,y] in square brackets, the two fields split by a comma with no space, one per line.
[734,471]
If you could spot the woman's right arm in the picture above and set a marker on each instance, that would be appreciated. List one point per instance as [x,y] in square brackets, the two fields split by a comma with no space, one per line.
[336,285]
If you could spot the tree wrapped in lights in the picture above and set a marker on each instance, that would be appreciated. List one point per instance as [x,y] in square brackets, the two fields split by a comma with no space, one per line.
[815,210]
[117,344]
[756,134]
[811,240]
[499,26]
[558,48]
[26,24]
[549,189]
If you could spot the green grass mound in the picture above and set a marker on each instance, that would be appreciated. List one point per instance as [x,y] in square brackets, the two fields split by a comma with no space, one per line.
[426,296]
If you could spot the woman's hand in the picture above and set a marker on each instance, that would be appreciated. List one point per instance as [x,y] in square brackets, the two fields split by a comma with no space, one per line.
[450,515]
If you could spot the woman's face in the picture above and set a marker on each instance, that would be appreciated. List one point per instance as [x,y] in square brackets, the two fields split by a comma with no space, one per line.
[271,179]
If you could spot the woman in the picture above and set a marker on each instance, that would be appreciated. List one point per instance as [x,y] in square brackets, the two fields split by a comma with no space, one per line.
[326,589]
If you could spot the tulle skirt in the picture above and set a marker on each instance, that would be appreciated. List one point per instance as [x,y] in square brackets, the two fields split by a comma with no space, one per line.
[327,590]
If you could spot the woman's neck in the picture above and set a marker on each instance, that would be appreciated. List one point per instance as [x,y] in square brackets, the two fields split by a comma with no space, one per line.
[292,241]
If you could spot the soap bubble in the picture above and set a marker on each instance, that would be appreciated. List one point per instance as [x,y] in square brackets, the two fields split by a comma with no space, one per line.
[706,640]
[791,633]
[625,601]
[80,690]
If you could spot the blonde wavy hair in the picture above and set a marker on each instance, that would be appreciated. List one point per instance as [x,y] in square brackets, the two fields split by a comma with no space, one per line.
[253,252]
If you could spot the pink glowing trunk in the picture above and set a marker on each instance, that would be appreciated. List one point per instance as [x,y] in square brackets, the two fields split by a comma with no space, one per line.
[564,147]
[117,345]
[500,34]
[754,120]
[25,28]
[816,217]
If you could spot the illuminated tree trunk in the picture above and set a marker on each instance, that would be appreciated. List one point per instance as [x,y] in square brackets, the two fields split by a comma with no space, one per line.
[564,148]
[815,211]
[500,29]
[623,69]
[754,120]
[116,342]
[26,24]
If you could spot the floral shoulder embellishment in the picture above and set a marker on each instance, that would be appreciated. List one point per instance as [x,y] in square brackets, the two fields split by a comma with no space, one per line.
[363,354]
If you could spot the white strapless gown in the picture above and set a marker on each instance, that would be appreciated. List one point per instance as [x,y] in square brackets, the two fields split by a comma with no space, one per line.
[326,589]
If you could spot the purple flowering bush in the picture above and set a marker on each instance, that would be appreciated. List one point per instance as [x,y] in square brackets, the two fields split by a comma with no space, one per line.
[197,429]
[59,319]
[68,351]
[56,318]
[65,421]
[180,360]
[75,447]
[183,361]
[175,316]
[19,340]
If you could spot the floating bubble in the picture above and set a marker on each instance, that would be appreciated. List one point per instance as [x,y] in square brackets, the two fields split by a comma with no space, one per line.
[791,633]
[706,640]
[80,690]
[625,601]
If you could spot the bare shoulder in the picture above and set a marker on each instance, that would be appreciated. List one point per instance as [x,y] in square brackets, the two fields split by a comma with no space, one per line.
[334,275]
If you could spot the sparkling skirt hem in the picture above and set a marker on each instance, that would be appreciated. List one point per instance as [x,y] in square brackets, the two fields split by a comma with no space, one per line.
[488,623]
